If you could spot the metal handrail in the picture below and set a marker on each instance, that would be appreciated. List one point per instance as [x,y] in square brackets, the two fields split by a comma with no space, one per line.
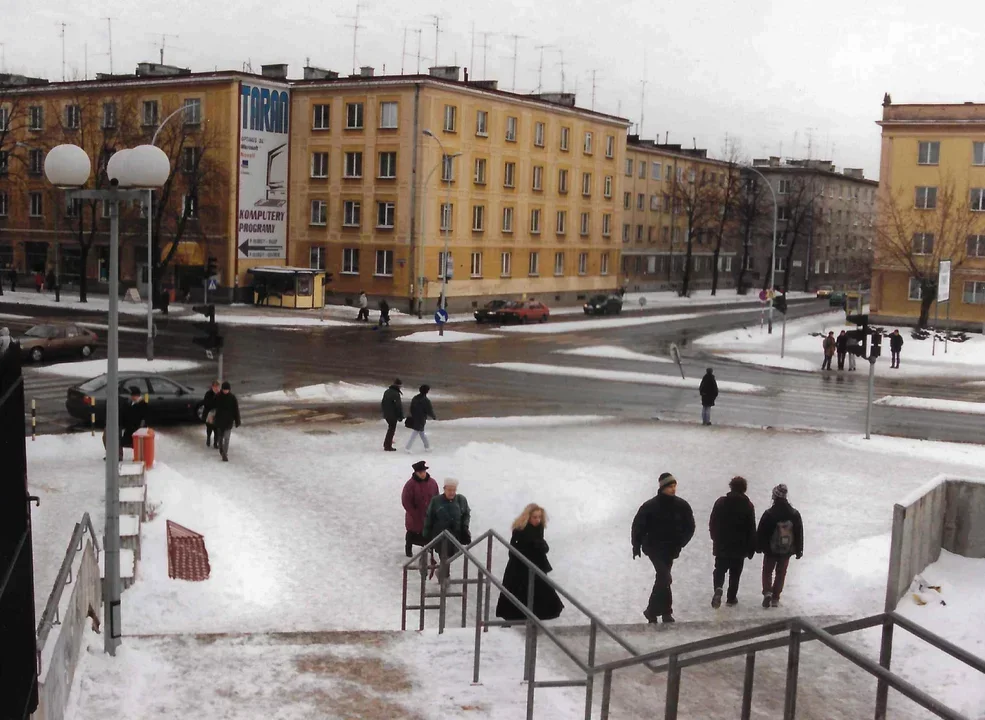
[50,616]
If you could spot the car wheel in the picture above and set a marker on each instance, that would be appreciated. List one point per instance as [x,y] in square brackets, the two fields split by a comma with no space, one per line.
[86,351]
[543,318]
[37,355]
[199,412]
[523,319]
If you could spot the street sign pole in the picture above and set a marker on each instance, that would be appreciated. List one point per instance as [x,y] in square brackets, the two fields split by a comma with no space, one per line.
[220,365]
[868,405]
[783,336]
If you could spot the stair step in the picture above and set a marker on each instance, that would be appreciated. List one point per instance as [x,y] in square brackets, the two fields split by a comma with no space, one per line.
[133,501]
[127,567]
[131,474]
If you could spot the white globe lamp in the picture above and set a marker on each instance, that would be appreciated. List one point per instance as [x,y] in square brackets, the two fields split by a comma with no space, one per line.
[67,166]
[147,167]
[118,168]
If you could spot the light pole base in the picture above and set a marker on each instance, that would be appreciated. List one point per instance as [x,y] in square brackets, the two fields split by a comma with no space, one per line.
[150,348]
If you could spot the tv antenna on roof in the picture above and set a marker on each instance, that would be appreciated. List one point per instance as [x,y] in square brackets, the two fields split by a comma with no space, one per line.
[540,66]
[355,33]
[516,39]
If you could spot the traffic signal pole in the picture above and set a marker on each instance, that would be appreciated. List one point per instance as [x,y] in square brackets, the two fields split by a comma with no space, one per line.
[783,336]
[868,406]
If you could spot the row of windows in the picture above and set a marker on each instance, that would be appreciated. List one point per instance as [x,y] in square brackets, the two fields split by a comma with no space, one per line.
[190,157]
[929,153]
[72,118]
[923,244]
[73,206]
[384,263]
[652,264]
[974,291]
[925,198]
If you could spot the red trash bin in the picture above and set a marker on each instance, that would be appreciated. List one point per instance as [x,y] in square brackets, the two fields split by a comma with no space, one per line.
[143,447]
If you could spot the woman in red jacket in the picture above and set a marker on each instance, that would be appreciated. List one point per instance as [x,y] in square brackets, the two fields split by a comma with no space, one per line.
[415,498]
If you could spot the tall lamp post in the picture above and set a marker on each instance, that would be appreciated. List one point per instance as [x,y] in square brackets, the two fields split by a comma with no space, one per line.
[444,270]
[773,254]
[129,171]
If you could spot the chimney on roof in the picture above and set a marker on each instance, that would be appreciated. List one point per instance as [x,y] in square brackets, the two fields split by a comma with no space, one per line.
[277,71]
[854,173]
[158,70]
[444,72]
[314,73]
[484,84]
[558,98]
[367,71]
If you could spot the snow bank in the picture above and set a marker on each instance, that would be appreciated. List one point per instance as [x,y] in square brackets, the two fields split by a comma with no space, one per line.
[525,421]
[450,336]
[620,376]
[96,303]
[922,403]
[91,368]
[339,392]
[302,319]
[962,454]
[549,328]
[612,352]
[786,363]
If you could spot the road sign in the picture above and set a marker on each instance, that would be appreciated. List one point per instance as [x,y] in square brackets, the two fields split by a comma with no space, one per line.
[248,250]
[441,316]
[675,355]
[944,281]
[213,283]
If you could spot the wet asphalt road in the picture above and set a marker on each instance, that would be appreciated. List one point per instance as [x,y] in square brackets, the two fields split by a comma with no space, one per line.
[259,359]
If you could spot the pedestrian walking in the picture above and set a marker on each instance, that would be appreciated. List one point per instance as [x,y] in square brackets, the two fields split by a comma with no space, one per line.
[384,313]
[208,415]
[393,412]
[13,279]
[733,538]
[416,497]
[708,389]
[38,281]
[420,411]
[363,307]
[662,527]
[49,280]
[853,349]
[895,346]
[841,346]
[226,415]
[829,345]
[780,535]
[132,417]
[447,511]
[528,540]
[4,341]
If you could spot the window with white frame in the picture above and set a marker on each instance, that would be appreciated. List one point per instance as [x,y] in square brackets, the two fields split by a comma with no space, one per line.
[35,161]
[925,198]
[626,230]
[586,184]
[190,159]
[320,117]
[929,153]
[149,114]
[606,224]
[627,200]
[539,134]
[350,261]
[354,116]
[191,206]
[588,143]
[974,292]
[565,138]
[447,168]
[978,153]
[538,180]
[447,210]
[604,264]
[4,204]
[640,200]
[511,129]
[319,165]
[639,233]
[629,167]
[610,146]
[509,174]
[607,185]
[482,123]
[783,187]
[535,221]
[559,263]
[480,171]
[351,213]
[691,175]
[388,165]
[444,260]
[353,165]
[750,262]
[533,266]
[923,243]
[562,181]
[562,222]
[655,171]
[976,246]
[317,259]
[507,219]
[725,263]
[193,111]
[478,218]
[388,115]
[385,213]
[642,171]
[73,207]
[781,264]
[35,118]
[655,203]
[783,213]
[585,224]
[109,116]
[384,263]
[977,199]
[583,263]
[697,263]
[319,212]
[451,119]
[475,267]
[817,267]
[505,264]
[916,289]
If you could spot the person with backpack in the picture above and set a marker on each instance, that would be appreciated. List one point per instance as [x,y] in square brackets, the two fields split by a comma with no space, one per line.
[733,536]
[780,535]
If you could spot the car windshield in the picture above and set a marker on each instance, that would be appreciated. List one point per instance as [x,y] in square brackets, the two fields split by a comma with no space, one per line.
[41,331]
[598,299]
[93,385]
[495,304]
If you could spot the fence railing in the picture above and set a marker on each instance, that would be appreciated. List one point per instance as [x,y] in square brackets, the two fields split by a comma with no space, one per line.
[793,632]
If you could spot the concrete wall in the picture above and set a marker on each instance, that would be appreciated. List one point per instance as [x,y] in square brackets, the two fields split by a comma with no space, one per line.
[948,514]
[62,657]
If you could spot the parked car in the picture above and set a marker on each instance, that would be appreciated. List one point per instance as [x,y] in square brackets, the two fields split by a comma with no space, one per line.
[44,341]
[824,291]
[167,400]
[490,311]
[837,299]
[603,305]
[522,311]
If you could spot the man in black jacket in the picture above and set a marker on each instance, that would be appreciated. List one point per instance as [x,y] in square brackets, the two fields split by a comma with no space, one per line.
[226,414]
[420,411]
[662,527]
[393,412]
[733,536]
[895,346]
[709,393]
[841,345]
[780,535]
[133,416]
[208,405]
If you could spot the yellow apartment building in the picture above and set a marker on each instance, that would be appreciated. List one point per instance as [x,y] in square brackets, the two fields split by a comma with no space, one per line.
[385,171]
[931,207]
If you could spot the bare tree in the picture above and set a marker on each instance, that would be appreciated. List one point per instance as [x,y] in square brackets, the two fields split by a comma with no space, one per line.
[752,211]
[797,211]
[916,234]
[728,201]
[696,199]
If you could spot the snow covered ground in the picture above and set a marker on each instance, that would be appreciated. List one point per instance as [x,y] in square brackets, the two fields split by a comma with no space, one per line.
[698,297]
[620,376]
[956,406]
[450,336]
[338,392]
[91,368]
[549,328]
[612,352]
[69,300]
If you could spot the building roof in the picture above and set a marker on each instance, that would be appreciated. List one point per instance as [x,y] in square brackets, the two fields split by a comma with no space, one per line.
[814,169]
[634,142]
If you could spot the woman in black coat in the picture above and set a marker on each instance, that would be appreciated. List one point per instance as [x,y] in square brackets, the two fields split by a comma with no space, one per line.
[528,539]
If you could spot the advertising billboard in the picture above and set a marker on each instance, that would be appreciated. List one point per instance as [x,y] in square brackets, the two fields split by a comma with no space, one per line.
[944,281]
[264,127]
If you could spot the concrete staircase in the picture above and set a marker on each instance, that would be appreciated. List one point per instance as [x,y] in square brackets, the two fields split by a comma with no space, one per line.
[133,512]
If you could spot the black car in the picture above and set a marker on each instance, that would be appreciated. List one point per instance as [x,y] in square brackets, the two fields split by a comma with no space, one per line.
[167,400]
[603,305]
[490,311]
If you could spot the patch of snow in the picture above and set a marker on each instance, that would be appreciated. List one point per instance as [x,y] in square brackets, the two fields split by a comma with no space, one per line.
[91,368]
[450,336]
[525,421]
[96,303]
[7,316]
[550,328]
[952,453]
[123,328]
[698,297]
[301,320]
[339,392]
[940,404]
[613,352]
[786,363]
[620,376]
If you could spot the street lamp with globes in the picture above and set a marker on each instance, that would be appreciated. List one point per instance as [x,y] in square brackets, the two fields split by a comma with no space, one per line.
[131,173]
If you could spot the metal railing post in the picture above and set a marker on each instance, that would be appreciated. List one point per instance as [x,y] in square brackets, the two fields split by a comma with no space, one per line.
[590,677]
[527,671]
[606,693]
[531,685]
[424,579]
[478,631]
[747,686]
[465,594]
[793,666]
[489,549]
[673,687]
[403,603]
[885,658]
[443,575]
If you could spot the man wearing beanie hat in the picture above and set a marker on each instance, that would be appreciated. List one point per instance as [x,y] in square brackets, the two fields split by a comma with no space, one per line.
[662,527]
[226,415]
[780,535]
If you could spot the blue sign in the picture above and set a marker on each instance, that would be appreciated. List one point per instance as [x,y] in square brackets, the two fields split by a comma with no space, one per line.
[213,283]
[441,316]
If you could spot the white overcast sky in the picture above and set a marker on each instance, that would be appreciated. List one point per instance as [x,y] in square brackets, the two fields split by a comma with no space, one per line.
[778,76]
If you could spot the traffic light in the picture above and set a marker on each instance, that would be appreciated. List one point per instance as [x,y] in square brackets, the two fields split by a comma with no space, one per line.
[211,267]
[862,320]
[875,350]
[780,303]
[856,342]
[212,340]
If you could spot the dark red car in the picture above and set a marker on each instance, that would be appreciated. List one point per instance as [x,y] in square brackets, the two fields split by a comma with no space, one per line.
[523,311]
